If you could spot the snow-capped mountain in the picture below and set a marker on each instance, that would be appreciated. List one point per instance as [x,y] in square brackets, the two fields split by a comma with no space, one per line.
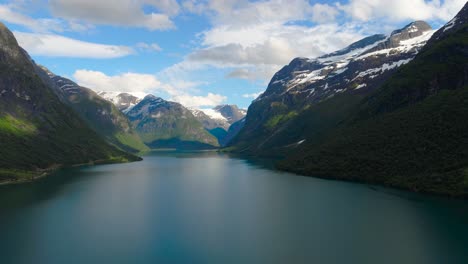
[124,101]
[222,116]
[232,113]
[356,67]
[219,121]
[357,70]
[210,118]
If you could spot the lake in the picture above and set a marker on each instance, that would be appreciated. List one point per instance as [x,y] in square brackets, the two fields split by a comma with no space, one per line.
[213,208]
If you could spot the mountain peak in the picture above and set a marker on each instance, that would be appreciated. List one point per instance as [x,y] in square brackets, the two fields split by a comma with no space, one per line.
[9,46]
[154,99]
[150,96]
[413,28]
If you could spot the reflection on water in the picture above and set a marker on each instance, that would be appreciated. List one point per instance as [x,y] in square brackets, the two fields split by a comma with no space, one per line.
[215,208]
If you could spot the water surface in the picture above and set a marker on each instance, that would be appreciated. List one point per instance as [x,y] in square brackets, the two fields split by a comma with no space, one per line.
[212,208]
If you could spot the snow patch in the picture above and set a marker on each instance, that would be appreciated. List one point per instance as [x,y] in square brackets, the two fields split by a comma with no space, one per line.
[382,69]
[362,85]
[450,24]
[405,46]
[213,114]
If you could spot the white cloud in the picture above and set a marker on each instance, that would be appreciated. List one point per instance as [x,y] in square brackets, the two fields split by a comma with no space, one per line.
[193,101]
[170,7]
[58,46]
[401,10]
[126,82]
[149,46]
[252,95]
[43,25]
[261,73]
[118,12]
[324,13]
[274,44]
[137,83]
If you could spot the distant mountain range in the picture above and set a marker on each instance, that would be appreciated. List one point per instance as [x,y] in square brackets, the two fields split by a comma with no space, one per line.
[387,110]
[216,121]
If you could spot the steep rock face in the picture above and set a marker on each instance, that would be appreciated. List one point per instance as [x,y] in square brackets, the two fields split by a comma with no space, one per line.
[100,114]
[411,132]
[358,70]
[164,124]
[37,130]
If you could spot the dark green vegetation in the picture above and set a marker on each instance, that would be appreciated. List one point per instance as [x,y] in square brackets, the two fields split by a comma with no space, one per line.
[101,115]
[37,131]
[164,124]
[409,133]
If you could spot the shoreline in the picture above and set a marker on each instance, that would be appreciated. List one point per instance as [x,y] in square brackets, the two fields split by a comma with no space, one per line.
[33,176]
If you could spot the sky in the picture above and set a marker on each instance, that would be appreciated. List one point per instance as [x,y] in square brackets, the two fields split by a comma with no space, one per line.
[200,53]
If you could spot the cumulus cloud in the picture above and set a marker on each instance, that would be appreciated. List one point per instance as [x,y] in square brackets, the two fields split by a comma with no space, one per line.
[193,101]
[118,12]
[323,13]
[58,46]
[274,44]
[126,82]
[137,83]
[9,14]
[401,10]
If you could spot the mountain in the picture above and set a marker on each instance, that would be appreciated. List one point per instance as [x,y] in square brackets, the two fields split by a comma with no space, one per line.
[219,120]
[123,101]
[231,113]
[232,132]
[37,130]
[164,124]
[211,119]
[305,87]
[409,133]
[101,115]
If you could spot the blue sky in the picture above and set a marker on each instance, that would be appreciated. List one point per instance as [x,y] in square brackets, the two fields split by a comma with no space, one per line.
[198,52]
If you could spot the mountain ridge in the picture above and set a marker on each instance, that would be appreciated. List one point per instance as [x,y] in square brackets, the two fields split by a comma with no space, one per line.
[357,69]
[37,130]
